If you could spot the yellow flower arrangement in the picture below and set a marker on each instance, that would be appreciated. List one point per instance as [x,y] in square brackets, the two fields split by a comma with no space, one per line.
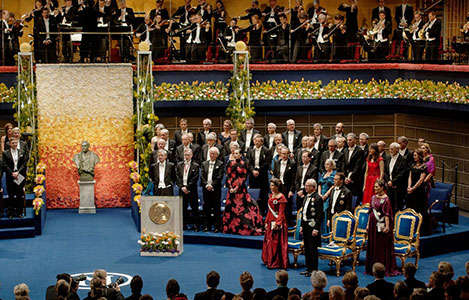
[38,190]
[37,204]
[159,242]
[40,178]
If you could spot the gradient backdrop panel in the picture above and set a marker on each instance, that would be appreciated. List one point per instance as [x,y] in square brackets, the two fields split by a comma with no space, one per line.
[86,102]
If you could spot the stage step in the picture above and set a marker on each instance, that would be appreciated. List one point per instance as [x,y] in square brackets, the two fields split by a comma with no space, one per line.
[12,233]
[27,221]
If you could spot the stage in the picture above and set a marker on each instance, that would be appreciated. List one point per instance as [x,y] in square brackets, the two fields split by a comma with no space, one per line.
[78,244]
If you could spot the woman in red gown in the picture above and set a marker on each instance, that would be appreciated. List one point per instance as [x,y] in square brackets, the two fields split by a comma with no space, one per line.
[275,247]
[241,214]
[380,246]
[374,171]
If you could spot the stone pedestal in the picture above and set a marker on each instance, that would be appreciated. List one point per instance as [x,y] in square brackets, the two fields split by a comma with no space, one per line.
[87,197]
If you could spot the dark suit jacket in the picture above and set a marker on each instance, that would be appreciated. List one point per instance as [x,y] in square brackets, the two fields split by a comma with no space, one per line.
[9,165]
[314,211]
[129,17]
[288,175]
[204,152]
[192,178]
[408,157]
[413,283]
[169,174]
[264,160]
[280,291]
[163,12]
[179,155]
[435,30]
[399,178]
[242,137]
[217,175]
[408,14]
[311,172]
[210,294]
[381,289]
[296,140]
[355,166]
[41,27]
[323,140]
[226,147]
[338,158]
[201,138]
[344,201]
[178,137]
[267,141]
[375,13]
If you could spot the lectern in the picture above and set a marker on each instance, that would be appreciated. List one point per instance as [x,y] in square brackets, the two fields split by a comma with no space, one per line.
[161,226]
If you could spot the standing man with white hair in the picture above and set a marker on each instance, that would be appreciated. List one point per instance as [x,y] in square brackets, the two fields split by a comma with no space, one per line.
[292,137]
[203,134]
[211,141]
[187,144]
[270,136]
[187,174]
[382,150]
[162,175]
[395,170]
[311,218]
[211,182]
[404,151]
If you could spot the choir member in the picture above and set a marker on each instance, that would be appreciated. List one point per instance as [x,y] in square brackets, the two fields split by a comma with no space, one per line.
[432,37]
[248,134]
[292,137]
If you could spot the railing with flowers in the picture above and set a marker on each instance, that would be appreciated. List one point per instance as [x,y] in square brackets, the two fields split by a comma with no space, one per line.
[165,242]
[137,188]
[39,188]
[192,91]
[425,90]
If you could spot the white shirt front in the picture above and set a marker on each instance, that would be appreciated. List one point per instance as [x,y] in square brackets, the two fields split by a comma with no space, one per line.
[316,145]
[403,13]
[166,146]
[392,163]
[283,167]
[334,200]
[248,139]
[161,167]
[402,152]
[305,169]
[415,35]
[291,139]
[257,157]
[14,154]
[46,23]
[305,207]
[350,152]
[187,166]
[211,167]
[321,29]
[379,36]
[331,155]
[271,140]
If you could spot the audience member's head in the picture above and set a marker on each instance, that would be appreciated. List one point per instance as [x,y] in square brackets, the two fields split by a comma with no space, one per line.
[136,285]
[259,294]
[436,280]
[418,294]
[318,280]
[97,288]
[246,281]
[63,289]
[401,290]
[350,280]
[360,293]
[371,297]
[172,288]
[294,291]
[446,270]
[378,270]
[101,275]
[146,297]
[409,270]
[336,293]
[281,277]
[21,290]
[213,279]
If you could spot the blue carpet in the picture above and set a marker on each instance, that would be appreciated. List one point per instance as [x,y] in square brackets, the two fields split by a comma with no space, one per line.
[76,243]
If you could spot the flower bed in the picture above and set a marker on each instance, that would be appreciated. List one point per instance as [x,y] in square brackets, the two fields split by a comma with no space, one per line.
[425,90]
[165,242]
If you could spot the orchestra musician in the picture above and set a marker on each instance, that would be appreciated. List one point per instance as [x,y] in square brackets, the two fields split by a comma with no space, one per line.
[88,20]
[184,14]
[125,19]
[412,35]
[159,10]
[351,19]
[47,42]
[65,18]
[432,33]
[205,10]
[254,10]
[103,13]
[403,17]
[339,38]
[219,16]
[198,36]
[314,11]
[271,20]
[283,34]
[302,41]
[381,8]
[255,38]
[159,36]
[35,15]
[378,38]
[12,29]
[322,45]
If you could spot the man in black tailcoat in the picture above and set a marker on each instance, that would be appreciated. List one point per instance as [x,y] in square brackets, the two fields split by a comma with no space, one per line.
[162,173]
[340,198]
[395,170]
[187,175]
[258,165]
[353,167]
[15,166]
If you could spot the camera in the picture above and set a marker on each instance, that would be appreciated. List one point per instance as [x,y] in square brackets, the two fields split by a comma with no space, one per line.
[116,283]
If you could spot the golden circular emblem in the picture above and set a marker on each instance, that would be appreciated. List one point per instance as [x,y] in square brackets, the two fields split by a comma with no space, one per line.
[159,213]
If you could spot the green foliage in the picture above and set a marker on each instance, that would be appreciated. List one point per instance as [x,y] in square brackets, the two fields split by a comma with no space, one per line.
[240,107]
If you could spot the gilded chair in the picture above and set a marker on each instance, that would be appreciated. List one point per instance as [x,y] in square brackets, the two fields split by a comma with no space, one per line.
[343,244]
[295,244]
[407,235]
[362,214]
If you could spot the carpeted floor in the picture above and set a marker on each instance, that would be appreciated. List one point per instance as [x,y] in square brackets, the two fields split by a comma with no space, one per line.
[75,244]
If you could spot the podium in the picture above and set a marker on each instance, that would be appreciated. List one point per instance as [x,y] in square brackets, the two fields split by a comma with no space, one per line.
[161,226]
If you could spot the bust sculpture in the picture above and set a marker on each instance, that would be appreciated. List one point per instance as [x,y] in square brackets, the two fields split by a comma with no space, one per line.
[85,161]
